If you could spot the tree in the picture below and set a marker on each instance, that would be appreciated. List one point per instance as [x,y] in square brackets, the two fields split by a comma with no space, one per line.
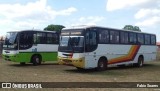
[53,27]
[133,28]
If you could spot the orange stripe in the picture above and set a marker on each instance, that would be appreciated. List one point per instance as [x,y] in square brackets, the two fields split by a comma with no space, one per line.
[129,57]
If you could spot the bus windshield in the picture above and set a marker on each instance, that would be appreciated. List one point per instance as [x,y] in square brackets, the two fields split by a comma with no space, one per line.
[10,40]
[74,41]
[71,44]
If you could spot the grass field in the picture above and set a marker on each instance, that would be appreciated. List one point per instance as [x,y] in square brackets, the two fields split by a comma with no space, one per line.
[51,72]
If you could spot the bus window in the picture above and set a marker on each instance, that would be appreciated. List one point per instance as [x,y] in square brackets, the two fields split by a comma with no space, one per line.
[132,38]
[40,38]
[114,37]
[91,41]
[147,39]
[124,37]
[104,36]
[34,38]
[28,40]
[55,38]
[140,39]
[52,38]
[93,38]
[153,39]
[49,38]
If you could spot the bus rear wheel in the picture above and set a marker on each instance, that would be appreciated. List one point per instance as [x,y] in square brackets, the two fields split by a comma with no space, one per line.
[140,62]
[102,65]
[36,60]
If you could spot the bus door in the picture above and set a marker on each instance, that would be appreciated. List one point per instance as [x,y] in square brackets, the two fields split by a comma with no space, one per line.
[91,44]
[90,40]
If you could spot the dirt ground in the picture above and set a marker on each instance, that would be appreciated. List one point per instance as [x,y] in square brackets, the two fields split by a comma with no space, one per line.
[52,72]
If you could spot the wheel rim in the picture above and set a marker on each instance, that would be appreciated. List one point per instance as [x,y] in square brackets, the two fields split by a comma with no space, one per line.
[101,65]
[37,60]
[140,62]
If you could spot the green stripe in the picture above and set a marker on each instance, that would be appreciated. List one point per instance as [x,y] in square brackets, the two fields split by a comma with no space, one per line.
[38,52]
[26,56]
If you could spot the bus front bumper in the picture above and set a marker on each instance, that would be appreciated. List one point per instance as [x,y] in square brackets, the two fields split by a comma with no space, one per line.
[78,62]
[9,57]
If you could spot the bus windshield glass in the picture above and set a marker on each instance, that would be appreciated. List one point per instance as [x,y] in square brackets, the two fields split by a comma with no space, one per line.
[74,41]
[10,40]
[71,41]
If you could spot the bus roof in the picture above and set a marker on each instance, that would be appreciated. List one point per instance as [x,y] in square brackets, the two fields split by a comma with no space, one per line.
[93,26]
[34,30]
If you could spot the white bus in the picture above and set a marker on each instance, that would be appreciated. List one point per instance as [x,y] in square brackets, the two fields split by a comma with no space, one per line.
[31,46]
[98,47]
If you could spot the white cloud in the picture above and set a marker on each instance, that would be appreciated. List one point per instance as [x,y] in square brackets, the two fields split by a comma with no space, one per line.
[152,21]
[124,4]
[67,11]
[37,8]
[29,15]
[143,13]
[90,20]
[148,17]
[148,13]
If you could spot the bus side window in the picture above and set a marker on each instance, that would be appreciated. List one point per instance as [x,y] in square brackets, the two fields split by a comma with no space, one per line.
[49,38]
[140,39]
[132,38]
[40,38]
[21,38]
[87,38]
[114,37]
[55,38]
[147,39]
[25,40]
[153,39]
[52,38]
[87,41]
[34,38]
[104,36]
[90,41]
[124,37]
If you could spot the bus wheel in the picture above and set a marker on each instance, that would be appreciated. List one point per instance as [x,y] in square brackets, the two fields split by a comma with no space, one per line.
[140,62]
[22,63]
[102,65]
[36,60]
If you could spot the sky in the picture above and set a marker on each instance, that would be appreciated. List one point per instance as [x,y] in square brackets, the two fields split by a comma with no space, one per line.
[37,14]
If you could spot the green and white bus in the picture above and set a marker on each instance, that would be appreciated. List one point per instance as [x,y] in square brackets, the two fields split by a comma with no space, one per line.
[31,46]
[99,47]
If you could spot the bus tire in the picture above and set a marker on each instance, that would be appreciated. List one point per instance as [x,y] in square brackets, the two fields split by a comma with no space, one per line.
[102,65]
[22,63]
[36,60]
[140,61]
